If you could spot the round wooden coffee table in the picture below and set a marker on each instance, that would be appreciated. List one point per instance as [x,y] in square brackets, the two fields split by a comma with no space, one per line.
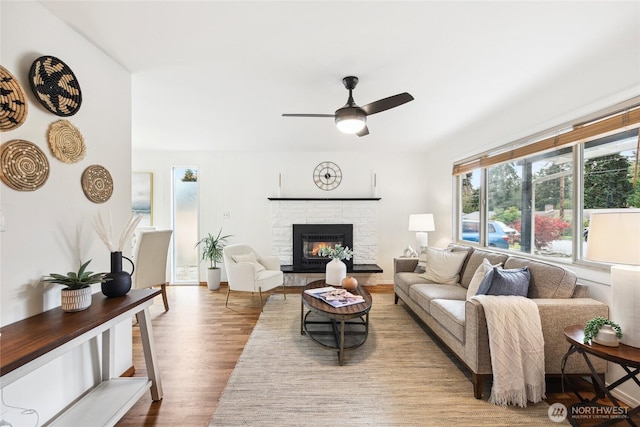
[336,328]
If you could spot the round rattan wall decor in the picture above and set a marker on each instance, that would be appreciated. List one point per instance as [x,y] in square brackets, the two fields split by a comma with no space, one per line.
[97,184]
[13,101]
[23,166]
[66,142]
[55,86]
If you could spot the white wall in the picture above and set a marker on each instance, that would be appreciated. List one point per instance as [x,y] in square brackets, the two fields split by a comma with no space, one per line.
[240,183]
[49,230]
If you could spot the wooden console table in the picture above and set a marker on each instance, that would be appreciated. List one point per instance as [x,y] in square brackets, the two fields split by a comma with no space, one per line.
[35,341]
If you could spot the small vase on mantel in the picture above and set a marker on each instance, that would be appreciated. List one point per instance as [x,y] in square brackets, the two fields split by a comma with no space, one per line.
[336,271]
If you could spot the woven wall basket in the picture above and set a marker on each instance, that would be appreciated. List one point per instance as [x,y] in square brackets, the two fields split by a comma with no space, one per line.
[23,166]
[55,86]
[66,142]
[13,102]
[97,184]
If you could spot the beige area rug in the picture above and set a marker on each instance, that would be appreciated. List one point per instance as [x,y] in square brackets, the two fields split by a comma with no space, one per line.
[398,377]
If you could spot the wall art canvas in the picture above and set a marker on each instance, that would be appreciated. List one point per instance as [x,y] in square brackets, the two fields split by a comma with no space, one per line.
[142,196]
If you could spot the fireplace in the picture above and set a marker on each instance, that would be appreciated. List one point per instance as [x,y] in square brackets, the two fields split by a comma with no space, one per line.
[309,238]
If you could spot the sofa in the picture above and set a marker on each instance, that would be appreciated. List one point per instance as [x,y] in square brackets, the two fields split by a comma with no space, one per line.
[460,323]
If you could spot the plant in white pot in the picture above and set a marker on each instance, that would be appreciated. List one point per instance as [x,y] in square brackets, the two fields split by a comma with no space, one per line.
[336,270]
[212,250]
[77,294]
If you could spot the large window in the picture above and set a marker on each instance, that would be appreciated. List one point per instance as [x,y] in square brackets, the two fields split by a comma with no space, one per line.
[185,225]
[536,199]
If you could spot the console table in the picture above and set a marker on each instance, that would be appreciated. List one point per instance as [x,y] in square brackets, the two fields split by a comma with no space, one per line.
[35,341]
[626,356]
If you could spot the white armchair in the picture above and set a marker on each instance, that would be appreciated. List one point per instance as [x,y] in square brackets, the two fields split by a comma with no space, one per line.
[249,272]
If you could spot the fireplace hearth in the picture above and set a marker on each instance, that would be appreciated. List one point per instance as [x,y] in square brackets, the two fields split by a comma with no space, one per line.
[309,238]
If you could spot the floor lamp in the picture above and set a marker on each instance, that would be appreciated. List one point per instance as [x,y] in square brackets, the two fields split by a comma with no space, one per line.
[614,237]
[421,223]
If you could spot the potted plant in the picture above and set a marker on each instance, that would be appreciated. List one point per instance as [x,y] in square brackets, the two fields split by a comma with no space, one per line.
[76,296]
[212,251]
[602,331]
[336,270]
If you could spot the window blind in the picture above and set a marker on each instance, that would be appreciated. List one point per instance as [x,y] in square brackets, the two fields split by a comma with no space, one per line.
[625,120]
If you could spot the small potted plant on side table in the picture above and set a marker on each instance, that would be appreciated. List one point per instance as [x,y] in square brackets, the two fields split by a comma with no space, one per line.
[602,331]
[77,294]
[212,251]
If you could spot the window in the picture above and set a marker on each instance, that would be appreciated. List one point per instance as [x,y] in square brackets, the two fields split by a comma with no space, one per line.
[536,198]
[185,225]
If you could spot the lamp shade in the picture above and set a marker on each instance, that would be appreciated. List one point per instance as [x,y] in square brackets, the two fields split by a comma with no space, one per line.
[421,222]
[614,237]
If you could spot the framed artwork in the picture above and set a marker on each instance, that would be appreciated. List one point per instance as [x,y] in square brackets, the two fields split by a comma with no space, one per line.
[142,196]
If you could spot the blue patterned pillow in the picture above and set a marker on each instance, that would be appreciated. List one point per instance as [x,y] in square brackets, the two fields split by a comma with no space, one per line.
[505,282]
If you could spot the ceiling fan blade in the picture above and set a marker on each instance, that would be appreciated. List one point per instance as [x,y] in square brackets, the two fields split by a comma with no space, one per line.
[309,115]
[387,103]
[364,131]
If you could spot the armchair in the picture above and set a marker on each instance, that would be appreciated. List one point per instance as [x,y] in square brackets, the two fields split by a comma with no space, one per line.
[249,272]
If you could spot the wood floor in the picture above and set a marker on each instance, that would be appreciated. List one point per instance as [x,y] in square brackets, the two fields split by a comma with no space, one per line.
[198,342]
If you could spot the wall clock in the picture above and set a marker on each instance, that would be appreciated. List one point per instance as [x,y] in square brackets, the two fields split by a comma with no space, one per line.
[327,176]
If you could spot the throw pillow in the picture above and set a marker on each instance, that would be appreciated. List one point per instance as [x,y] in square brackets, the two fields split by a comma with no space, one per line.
[443,266]
[481,271]
[506,282]
[422,261]
[251,258]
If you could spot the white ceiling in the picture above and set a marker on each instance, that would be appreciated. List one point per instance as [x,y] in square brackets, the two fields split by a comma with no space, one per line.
[213,75]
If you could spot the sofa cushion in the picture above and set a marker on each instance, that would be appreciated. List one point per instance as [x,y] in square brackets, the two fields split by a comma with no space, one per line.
[422,262]
[424,293]
[505,282]
[547,280]
[475,260]
[450,314]
[404,280]
[443,266]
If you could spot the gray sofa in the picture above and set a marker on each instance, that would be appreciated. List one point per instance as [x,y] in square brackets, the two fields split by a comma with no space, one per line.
[461,325]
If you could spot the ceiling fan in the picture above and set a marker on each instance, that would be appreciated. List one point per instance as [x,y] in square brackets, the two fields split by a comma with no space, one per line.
[353,119]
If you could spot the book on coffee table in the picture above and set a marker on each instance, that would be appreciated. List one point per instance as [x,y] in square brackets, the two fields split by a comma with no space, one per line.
[334,296]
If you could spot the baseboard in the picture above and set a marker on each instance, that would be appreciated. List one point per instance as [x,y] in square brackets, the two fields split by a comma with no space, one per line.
[222,284]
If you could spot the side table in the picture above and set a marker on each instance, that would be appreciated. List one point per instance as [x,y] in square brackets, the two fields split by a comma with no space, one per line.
[625,356]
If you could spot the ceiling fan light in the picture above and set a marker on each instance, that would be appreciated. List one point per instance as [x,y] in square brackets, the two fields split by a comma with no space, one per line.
[352,123]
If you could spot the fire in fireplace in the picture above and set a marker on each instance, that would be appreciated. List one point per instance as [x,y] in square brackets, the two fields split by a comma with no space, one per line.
[309,238]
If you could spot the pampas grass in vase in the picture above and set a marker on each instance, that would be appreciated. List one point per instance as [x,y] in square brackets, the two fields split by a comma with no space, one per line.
[118,281]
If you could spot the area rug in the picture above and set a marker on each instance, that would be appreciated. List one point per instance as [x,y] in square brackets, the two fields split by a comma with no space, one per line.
[398,377]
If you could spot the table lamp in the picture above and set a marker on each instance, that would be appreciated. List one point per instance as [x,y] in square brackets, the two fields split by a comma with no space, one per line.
[614,237]
[421,223]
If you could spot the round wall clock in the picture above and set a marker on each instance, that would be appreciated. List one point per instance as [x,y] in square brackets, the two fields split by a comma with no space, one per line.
[327,176]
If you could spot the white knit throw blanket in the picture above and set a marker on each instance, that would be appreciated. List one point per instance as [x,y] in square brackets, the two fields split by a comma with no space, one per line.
[517,349]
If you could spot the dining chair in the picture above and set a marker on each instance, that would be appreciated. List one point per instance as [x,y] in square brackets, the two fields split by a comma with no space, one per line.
[150,261]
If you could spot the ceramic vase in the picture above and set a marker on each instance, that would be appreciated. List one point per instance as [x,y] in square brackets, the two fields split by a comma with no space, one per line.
[336,270]
[606,336]
[75,299]
[118,281]
[213,278]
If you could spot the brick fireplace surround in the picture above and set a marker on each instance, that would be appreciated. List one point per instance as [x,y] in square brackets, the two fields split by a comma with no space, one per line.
[363,214]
